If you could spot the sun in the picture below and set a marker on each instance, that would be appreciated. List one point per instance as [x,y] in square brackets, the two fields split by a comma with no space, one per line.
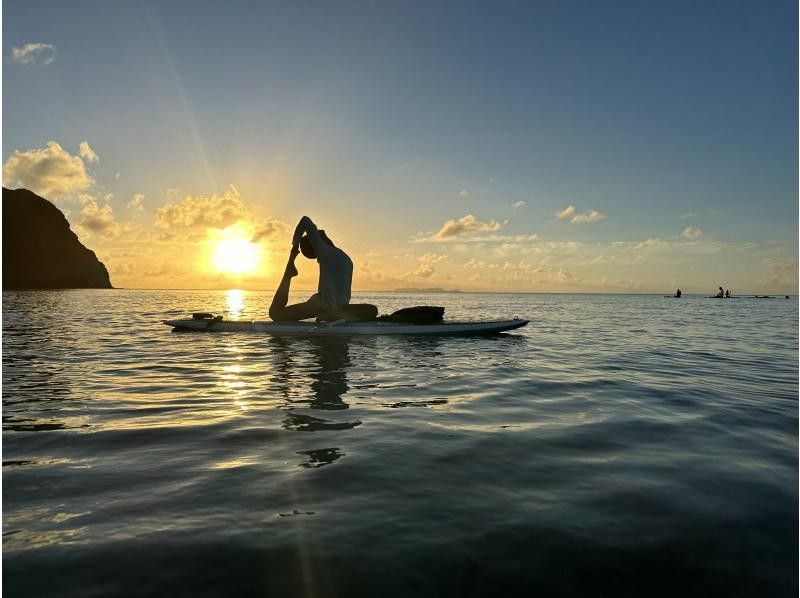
[234,253]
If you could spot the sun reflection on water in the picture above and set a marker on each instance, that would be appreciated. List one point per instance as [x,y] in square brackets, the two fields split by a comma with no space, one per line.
[233,383]
[234,303]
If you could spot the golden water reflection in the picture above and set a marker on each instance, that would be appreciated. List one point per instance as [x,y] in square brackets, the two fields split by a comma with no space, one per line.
[234,303]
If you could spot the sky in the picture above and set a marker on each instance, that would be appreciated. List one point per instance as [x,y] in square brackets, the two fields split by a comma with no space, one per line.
[541,146]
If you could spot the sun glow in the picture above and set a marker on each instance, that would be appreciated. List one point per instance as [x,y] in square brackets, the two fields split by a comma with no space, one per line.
[234,253]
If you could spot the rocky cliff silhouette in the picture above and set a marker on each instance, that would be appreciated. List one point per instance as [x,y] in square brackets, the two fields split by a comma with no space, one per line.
[39,249]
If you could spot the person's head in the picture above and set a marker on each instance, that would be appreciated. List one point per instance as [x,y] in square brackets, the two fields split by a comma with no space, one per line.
[307,249]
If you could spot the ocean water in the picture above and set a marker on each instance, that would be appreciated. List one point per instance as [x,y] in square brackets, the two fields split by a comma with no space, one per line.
[616,446]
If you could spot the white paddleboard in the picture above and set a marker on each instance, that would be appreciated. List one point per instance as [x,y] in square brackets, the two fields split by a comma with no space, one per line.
[345,328]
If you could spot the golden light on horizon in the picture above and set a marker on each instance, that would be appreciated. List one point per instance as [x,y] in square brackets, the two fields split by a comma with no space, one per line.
[234,253]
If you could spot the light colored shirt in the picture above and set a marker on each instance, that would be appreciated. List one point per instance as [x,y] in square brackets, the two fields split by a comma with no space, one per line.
[335,267]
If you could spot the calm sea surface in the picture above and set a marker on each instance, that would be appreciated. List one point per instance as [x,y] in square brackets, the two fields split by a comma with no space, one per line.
[617,446]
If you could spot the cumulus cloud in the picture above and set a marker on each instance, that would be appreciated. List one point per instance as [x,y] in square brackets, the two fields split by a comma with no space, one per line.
[692,232]
[216,211]
[466,225]
[519,204]
[463,193]
[34,54]
[566,214]
[570,213]
[51,172]
[100,220]
[137,203]
[87,153]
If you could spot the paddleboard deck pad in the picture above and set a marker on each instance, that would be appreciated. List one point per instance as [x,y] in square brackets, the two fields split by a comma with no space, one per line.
[345,328]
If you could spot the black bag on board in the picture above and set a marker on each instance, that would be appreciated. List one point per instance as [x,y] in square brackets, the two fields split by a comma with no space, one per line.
[421,314]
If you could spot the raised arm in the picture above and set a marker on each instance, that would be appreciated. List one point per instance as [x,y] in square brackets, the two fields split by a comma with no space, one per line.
[306,226]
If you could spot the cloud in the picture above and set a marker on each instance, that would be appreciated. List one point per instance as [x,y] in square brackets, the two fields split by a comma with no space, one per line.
[650,243]
[51,172]
[570,213]
[424,271]
[100,220]
[692,232]
[689,216]
[270,229]
[34,54]
[566,214]
[519,204]
[463,193]
[137,203]
[466,225]
[217,211]
[432,258]
[87,153]
[780,273]
[590,216]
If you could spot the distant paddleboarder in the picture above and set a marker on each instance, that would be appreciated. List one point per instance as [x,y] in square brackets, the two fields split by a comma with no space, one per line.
[332,299]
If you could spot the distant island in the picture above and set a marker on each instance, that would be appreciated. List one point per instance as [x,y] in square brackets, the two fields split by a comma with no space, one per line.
[425,290]
[39,249]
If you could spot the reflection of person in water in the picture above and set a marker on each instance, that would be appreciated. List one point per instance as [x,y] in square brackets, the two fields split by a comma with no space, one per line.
[319,365]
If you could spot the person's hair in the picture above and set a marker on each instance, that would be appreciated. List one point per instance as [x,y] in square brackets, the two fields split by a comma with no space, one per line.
[306,248]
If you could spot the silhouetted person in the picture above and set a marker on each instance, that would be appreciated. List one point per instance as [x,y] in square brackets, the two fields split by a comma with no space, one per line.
[727,293]
[678,293]
[332,300]
[720,294]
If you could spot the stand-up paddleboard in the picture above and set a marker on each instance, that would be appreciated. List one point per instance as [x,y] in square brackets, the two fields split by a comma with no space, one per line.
[344,328]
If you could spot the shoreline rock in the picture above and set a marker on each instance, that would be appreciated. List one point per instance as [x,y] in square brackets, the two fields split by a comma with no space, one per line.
[40,251]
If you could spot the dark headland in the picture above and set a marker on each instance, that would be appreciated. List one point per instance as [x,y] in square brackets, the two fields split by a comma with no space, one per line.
[39,249]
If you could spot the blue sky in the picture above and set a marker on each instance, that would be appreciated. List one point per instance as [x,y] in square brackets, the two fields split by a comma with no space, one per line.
[383,121]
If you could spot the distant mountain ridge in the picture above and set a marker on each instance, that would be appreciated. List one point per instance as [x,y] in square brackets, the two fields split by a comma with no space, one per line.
[40,251]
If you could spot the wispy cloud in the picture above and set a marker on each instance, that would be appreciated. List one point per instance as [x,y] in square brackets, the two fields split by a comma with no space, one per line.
[34,54]
[51,171]
[463,193]
[519,204]
[464,226]
[570,213]
[689,216]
